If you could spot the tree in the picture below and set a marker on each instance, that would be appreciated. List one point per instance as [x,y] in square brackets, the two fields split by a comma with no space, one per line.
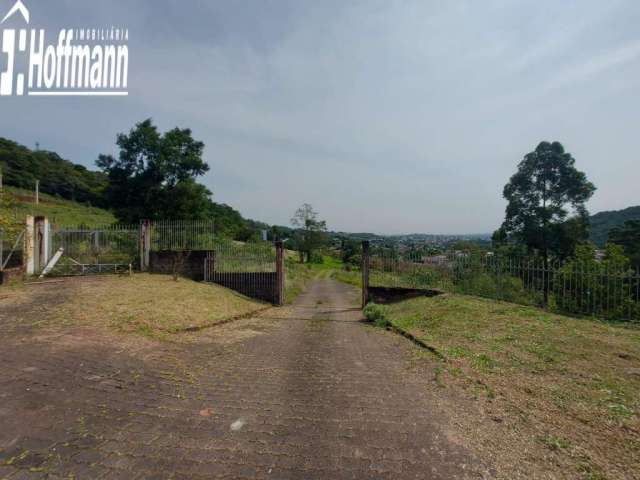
[628,237]
[351,252]
[311,232]
[539,196]
[154,175]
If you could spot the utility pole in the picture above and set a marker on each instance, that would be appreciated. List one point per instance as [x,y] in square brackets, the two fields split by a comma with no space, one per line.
[37,192]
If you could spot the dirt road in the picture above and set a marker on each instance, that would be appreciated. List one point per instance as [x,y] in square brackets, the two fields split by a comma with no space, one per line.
[306,392]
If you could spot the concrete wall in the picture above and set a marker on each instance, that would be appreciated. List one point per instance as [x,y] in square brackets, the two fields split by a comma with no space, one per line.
[193,263]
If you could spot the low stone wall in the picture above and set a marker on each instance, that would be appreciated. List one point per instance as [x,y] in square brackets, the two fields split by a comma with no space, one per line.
[259,285]
[10,274]
[391,295]
[192,263]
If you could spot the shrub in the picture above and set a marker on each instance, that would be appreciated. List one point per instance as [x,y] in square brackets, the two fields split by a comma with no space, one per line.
[376,314]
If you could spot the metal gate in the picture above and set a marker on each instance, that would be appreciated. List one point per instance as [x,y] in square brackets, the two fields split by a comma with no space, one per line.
[255,270]
[91,250]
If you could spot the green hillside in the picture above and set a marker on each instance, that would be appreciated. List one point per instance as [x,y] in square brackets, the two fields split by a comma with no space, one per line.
[74,191]
[21,167]
[602,222]
[20,203]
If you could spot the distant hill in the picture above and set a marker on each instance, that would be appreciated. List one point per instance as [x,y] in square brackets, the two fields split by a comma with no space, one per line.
[71,193]
[21,167]
[602,222]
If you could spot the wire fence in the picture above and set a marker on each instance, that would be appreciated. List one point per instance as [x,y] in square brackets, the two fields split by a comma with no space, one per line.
[592,288]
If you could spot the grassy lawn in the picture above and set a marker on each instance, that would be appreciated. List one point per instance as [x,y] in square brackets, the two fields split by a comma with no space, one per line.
[552,396]
[58,210]
[152,305]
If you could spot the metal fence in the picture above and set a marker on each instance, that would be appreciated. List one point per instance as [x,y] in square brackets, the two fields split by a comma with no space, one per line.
[181,235]
[594,288]
[93,249]
[99,249]
[255,270]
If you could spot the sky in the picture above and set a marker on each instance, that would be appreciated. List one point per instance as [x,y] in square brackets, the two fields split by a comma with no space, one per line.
[387,116]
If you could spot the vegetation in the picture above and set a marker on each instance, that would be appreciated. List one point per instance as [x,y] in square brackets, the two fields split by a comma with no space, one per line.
[311,232]
[18,203]
[154,175]
[602,223]
[21,167]
[539,194]
[627,236]
[377,314]
[152,305]
[551,393]
[160,164]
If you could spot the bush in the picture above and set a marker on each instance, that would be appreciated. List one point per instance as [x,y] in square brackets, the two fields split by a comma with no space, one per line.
[376,314]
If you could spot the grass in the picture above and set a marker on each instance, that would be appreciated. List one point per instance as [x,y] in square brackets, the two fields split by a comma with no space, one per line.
[57,209]
[152,305]
[572,384]
[297,274]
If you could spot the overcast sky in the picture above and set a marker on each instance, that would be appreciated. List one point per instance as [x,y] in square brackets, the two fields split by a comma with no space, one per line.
[387,116]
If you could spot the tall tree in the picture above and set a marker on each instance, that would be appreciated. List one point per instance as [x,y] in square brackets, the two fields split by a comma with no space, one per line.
[155,175]
[545,190]
[311,231]
[541,195]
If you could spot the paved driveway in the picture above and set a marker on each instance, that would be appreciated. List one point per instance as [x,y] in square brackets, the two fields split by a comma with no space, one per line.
[306,392]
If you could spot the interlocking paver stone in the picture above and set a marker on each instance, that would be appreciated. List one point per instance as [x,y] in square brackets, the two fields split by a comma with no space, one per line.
[313,394]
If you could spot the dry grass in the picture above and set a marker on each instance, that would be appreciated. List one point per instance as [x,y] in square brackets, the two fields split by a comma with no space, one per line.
[152,305]
[549,396]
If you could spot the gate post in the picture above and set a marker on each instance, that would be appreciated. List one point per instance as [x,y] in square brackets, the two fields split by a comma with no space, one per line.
[279,273]
[145,244]
[29,249]
[365,273]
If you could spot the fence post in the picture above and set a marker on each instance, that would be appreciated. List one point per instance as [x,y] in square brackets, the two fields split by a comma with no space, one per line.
[365,273]
[145,244]
[279,273]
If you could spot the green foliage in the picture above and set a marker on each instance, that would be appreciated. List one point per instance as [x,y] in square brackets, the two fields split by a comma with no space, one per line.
[21,167]
[311,233]
[351,252]
[628,237]
[585,284]
[154,175]
[56,209]
[10,225]
[377,314]
[539,194]
[602,223]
